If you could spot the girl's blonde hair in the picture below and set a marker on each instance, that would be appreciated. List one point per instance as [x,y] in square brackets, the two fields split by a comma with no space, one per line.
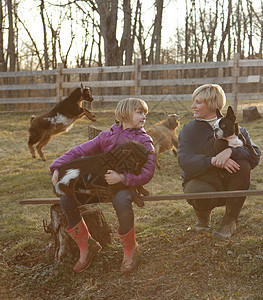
[126,107]
[212,94]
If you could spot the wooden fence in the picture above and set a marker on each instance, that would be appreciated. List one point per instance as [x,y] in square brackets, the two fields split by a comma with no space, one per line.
[242,80]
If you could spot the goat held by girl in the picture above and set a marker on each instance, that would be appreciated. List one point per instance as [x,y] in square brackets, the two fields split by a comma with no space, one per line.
[60,119]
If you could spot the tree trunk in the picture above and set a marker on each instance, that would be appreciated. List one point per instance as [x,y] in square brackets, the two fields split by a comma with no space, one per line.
[62,243]
[154,56]
[108,26]
[42,6]
[3,66]
[251,113]
[11,37]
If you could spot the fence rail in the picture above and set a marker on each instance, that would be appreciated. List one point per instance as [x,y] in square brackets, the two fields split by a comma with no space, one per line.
[241,80]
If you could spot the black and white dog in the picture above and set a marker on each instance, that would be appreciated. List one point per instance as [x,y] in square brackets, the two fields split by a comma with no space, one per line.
[227,133]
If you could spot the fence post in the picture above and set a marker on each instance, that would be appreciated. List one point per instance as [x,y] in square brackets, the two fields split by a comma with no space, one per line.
[138,76]
[59,81]
[235,82]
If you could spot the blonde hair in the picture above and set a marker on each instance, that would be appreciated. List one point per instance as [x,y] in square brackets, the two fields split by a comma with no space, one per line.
[212,94]
[126,107]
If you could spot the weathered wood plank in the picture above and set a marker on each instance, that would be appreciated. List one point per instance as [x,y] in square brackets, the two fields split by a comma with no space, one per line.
[36,86]
[100,84]
[28,100]
[250,62]
[108,69]
[28,73]
[187,196]
[186,81]
[188,66]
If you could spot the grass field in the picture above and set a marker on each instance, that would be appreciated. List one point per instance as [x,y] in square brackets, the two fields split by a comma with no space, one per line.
[174,263]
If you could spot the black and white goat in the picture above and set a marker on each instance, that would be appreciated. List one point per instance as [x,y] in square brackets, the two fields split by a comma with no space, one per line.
[60,119]
[128,157]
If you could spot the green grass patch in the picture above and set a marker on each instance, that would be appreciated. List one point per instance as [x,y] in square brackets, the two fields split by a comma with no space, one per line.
[174,261]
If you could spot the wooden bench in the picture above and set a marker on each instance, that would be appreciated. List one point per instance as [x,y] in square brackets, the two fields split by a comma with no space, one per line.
[94,218]
[186,196]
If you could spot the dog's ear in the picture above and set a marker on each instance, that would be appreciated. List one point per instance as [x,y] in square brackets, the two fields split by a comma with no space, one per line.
[231,114]
[237,130]
[218,114]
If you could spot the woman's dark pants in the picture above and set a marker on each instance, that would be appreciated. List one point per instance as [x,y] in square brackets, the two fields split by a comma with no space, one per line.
[235,181]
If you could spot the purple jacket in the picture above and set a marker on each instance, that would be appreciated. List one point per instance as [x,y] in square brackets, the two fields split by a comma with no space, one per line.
[104,142]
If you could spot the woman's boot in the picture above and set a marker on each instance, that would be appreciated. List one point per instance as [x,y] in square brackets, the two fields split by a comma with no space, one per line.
[131,250]
[226,230]
[203,220]
[228,225]
[88,247]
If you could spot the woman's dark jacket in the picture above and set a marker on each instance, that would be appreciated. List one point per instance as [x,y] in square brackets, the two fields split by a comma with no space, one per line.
[193,136]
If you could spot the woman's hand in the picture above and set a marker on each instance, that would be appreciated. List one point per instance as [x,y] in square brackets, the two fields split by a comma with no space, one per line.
[223,160]
[54,179]
[113,177]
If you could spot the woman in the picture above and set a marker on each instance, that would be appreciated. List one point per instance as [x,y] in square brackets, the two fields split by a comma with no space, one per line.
[195,164]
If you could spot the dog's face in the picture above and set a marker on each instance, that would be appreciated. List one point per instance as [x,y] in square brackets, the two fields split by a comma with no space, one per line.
[86,93]
[225,125]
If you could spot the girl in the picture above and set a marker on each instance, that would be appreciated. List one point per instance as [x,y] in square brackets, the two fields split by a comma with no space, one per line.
[194,164]
[132,115]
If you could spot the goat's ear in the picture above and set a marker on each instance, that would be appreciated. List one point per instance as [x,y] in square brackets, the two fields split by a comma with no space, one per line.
[180,116]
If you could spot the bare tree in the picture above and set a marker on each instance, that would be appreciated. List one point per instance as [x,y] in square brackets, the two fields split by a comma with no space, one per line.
[108,12]
[225,30]
[209,26]
[42,8]
[156,36]
[11,37]
[3,65]
[259,25]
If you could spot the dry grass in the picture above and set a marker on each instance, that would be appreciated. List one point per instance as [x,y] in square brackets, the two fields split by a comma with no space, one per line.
[175,262]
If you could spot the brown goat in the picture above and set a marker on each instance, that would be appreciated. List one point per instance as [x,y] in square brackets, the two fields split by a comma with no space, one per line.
[164,136]
[61,118]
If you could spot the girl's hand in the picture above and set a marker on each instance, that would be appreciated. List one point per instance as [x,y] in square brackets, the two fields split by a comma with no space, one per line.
[113,177]
[54,179]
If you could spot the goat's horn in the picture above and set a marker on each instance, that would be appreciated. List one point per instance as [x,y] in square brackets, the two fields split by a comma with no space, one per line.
[180,116]
[82,86]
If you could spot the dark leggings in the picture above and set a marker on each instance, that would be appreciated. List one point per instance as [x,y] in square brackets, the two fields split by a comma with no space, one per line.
[122,203]
[235,181]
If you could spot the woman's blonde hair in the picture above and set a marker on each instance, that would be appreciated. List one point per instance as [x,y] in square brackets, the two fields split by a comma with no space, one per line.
[212,94]
[126,107]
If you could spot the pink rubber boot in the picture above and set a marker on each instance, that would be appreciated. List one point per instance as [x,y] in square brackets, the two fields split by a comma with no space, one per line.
[130,251]
[88,247]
